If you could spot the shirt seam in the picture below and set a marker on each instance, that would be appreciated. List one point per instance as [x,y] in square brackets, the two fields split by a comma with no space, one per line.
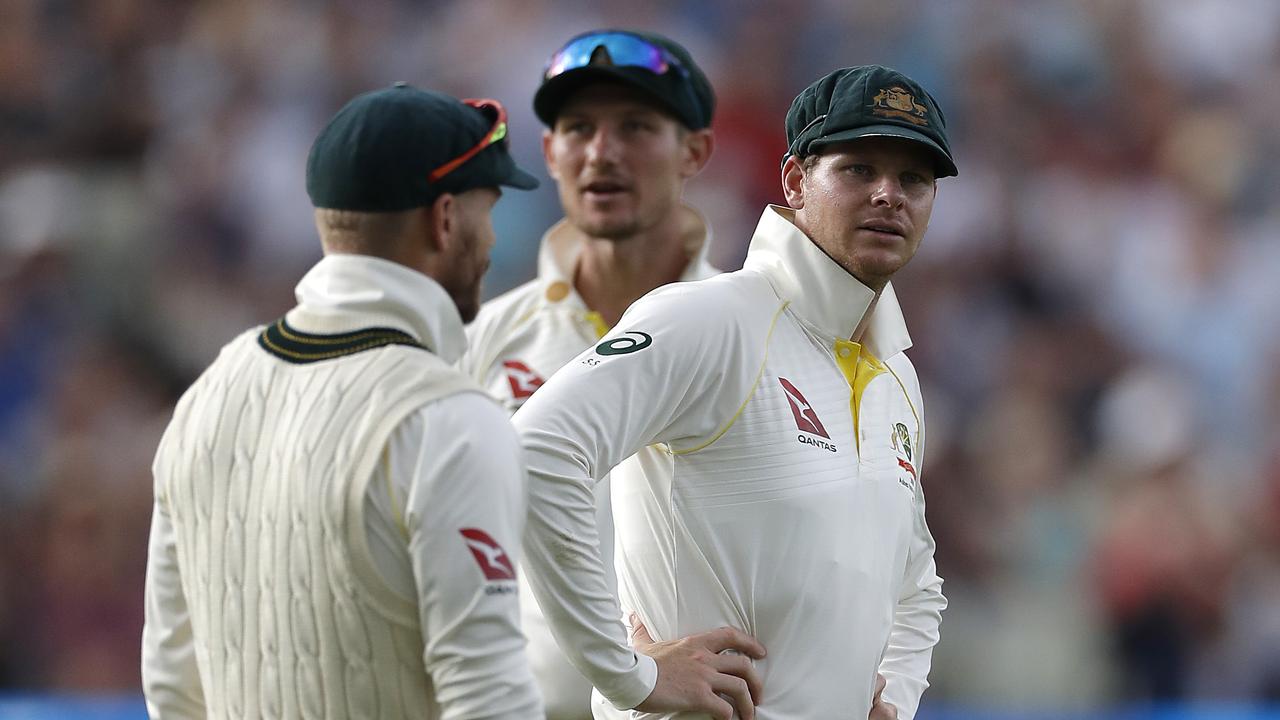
[754,385]
[397,513]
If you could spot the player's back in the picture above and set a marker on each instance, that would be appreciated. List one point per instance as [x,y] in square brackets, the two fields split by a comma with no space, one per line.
[261,470]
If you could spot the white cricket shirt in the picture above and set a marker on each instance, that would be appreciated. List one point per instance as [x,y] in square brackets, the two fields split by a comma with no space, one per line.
[775,485]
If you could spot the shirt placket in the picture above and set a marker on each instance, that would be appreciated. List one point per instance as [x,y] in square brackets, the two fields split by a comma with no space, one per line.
[859,368]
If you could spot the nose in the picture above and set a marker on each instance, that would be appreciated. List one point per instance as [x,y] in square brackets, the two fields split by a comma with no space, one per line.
[603,147]
[887,192]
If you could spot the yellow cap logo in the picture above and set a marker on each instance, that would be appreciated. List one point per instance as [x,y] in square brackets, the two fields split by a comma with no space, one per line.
[895,102]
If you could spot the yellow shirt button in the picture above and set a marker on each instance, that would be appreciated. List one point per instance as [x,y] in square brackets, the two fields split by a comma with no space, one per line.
[557,291]
[844,352]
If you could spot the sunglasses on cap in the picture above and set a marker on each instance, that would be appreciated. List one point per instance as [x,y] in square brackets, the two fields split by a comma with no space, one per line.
[624,50]
[496,134]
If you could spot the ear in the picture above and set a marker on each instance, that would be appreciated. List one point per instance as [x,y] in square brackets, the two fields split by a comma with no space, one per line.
[698,145]
[793,182]
[442,222]
[548,155]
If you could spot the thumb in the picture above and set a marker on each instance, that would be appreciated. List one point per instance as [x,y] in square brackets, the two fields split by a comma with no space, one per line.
[639,634]
[880,683]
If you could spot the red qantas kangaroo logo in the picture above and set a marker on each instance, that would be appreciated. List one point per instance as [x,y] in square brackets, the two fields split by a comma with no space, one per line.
[524,382]
[489,555]
[806,419]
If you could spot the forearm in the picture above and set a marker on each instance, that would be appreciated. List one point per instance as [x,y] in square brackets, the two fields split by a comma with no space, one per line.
[909,654]
[917,620]
[568,577]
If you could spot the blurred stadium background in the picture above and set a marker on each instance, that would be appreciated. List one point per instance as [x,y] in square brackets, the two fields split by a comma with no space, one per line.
[1096,310]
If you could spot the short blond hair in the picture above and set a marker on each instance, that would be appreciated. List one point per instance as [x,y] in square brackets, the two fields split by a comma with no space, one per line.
[364,233]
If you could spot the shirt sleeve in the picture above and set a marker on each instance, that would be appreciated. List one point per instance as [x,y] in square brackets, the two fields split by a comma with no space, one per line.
[464,507]
[916,620]
[170,676]
[658,377]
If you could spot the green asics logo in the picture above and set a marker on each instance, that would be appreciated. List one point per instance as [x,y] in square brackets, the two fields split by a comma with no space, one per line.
[625,344]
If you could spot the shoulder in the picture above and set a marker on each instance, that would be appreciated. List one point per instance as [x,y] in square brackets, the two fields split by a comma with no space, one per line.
[506,310]
[731,302]
[716,315]
[465,454]
[906,372]
[718,326]
[210,387]
[228,363]
[466,410]
[478,425]
[497,321]
[242,345]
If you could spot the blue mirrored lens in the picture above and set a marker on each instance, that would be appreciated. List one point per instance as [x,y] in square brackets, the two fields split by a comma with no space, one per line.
[624,50]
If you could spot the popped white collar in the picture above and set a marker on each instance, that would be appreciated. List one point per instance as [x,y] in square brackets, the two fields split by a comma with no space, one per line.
[342,293]
[823,294]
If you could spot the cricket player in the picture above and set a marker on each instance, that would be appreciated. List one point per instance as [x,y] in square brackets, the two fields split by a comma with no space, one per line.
[778,436]
[628,123]
[338,511]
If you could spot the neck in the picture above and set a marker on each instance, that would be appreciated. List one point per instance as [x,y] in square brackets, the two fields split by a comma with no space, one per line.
[861,329]
[612,274]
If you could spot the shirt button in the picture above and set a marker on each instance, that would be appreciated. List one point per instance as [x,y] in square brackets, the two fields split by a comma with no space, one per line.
[557,291]
[844,352]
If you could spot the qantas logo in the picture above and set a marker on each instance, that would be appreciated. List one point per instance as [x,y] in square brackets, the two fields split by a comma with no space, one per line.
[489,555]
[806,419]
[524,382]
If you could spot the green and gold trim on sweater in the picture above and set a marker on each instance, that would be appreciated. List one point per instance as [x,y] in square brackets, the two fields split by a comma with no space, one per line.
[295,346]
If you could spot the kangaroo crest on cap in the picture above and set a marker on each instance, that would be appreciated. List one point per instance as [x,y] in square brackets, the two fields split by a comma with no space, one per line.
[896,102]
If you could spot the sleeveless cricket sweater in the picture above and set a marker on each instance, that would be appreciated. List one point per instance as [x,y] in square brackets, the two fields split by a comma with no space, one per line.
[279,439]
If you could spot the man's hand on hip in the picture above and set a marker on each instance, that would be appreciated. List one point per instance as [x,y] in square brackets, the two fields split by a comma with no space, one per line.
[693,675]
[881,710]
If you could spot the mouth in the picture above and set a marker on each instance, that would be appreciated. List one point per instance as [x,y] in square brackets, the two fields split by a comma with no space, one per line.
[604,189]
[883,227]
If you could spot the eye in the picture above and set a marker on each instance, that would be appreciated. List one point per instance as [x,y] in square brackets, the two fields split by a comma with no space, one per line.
[636,125]
[914,178]
[860,169]
[575,127]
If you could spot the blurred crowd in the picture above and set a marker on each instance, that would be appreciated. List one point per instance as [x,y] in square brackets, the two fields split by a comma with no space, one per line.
[1095,310]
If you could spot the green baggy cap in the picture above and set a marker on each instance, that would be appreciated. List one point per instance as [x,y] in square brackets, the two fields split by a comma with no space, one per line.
[379,151]
[868,101]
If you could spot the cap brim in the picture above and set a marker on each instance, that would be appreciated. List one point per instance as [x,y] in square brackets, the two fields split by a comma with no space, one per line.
[518,178]
[509,174]
[946,167]
[492,168]
[554,93]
